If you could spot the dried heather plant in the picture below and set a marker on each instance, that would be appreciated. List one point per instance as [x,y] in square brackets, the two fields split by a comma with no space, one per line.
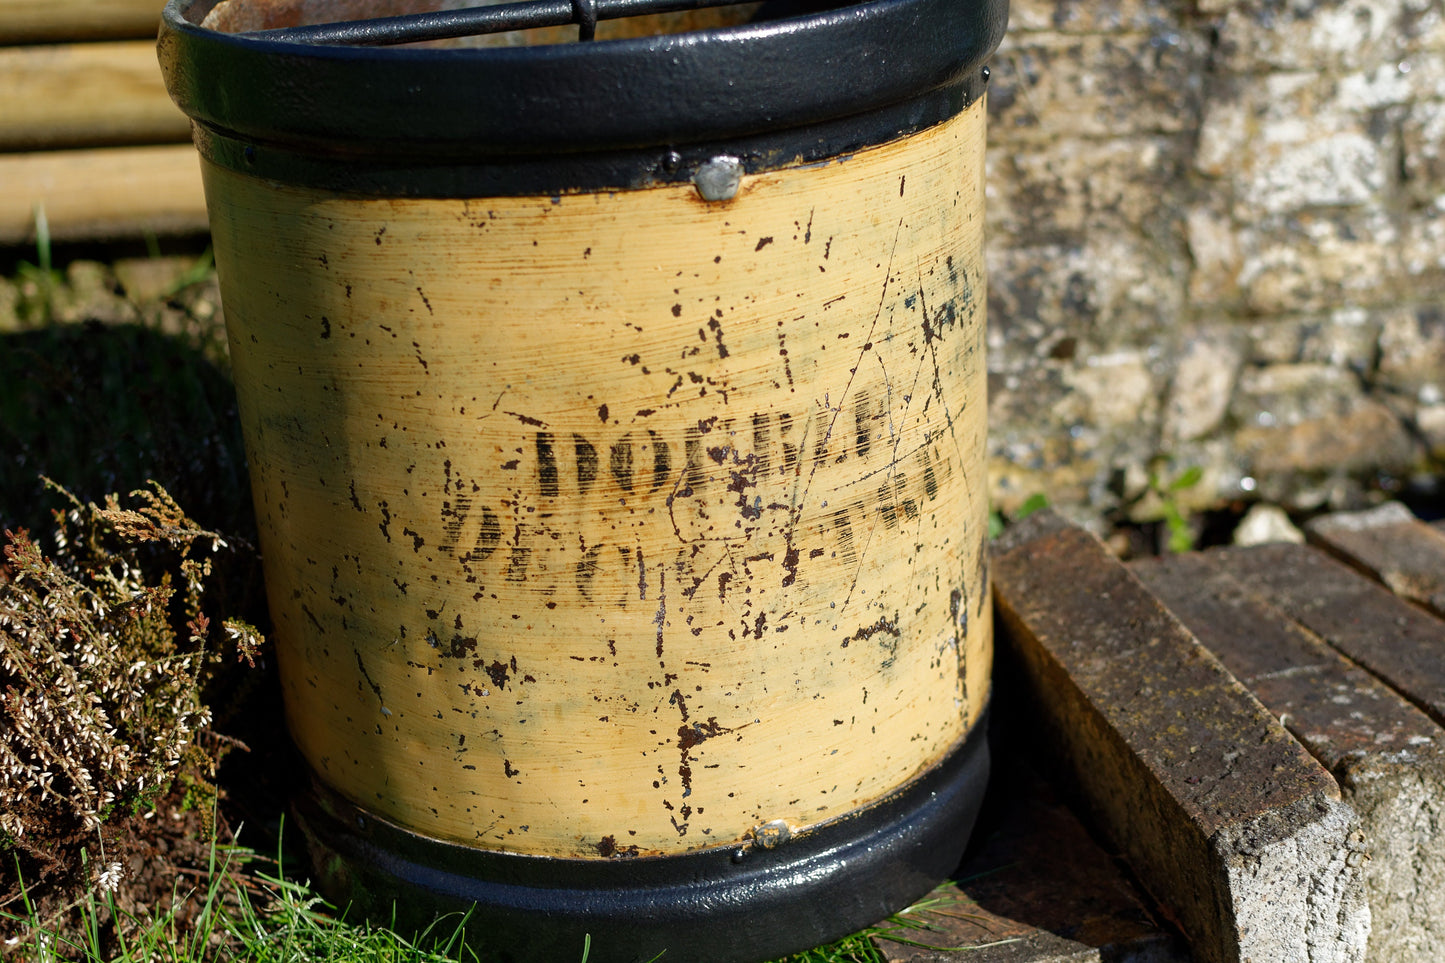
[100,697]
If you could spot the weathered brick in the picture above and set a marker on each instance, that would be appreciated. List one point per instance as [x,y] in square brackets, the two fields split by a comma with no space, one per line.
[1038,889]
[1386,754]
[1399,643]
[1225,818]
[1393,546]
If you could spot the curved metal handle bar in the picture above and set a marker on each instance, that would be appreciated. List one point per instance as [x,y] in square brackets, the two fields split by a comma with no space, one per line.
[449,24]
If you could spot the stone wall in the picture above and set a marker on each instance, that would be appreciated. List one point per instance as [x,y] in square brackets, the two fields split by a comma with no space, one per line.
[1217,240]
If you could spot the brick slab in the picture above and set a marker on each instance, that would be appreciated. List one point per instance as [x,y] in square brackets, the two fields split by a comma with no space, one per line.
[1225,818]
[1391,545]
[1035,888]
[1396,641]
[1385,753]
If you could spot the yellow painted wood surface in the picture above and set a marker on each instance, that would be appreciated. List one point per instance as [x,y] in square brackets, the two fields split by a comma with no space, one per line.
[84,95]
[102,192]
[622,523]
[29,21]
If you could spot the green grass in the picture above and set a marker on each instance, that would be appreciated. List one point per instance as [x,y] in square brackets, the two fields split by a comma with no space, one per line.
[265,917]
[244,914]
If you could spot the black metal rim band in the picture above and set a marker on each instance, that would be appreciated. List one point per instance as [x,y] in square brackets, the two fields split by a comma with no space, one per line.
[838,80]
[816,887]
[553,174]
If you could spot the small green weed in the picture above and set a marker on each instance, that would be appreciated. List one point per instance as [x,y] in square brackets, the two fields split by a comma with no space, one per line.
[997,522]
[199,271]
[40,282]
[1181,536]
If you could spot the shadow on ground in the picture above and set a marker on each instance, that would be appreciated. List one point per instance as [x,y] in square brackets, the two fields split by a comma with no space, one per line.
[107,408]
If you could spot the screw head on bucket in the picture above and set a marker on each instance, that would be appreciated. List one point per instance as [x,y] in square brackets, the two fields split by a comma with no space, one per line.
[719,178]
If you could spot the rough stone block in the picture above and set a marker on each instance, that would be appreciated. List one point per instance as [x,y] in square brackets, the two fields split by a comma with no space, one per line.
[1081,16]
[1422,161]
[1344,338]
[1259,34]
[1317,261]
[1060,193]
[1386,754]
[1430,420]
[1209,362]
[1036,295]
[1049,85]
[1225,818]
[1213,240]
[1422,251]
[1392,546]
[1037,889]
[1296,140]
[1401,644]
[1412,352]
[1063,427]
[1312,420]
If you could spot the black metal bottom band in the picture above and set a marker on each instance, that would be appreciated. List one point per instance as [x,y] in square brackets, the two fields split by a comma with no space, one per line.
[376,173]
[723,904]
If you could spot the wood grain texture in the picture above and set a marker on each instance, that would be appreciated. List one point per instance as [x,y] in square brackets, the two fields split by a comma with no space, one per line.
[31,21]
[86,95]
[622,523]
[102,192]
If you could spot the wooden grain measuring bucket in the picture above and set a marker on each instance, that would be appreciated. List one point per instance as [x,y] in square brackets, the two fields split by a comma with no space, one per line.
[615,414]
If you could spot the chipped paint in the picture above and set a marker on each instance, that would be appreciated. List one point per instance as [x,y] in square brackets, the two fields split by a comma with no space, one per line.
[652,521]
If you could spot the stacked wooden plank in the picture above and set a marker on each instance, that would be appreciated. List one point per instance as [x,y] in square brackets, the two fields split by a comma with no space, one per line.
[87,132]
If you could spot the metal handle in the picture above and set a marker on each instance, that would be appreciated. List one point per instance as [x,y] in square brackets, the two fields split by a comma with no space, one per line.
[449,24]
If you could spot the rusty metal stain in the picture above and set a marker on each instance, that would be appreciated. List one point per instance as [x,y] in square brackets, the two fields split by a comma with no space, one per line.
[649,532]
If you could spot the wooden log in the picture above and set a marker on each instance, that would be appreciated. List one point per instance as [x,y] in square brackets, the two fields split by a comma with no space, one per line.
[1388,757]
[86,95]
[102,193]
[33,21]
[1225,818]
